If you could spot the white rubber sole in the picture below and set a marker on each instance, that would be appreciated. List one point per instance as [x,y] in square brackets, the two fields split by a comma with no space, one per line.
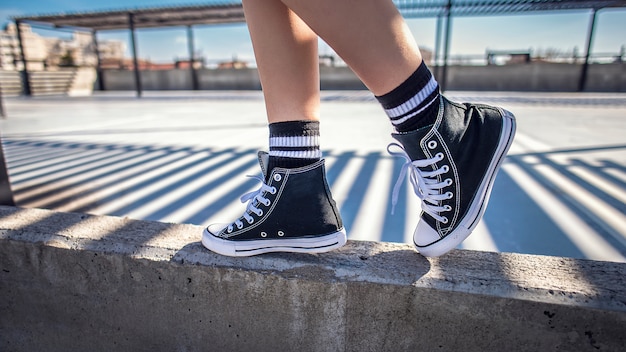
[232,248]
[478,206]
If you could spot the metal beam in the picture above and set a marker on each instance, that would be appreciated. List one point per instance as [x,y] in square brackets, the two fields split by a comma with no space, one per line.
[437,46]
[133,43]
[446,48]
[192,59]
[6,195]
[100,76]
[232,12]
[25,75]
[3,115]
[583,73]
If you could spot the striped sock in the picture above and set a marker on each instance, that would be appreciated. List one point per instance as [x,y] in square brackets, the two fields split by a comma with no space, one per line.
[294,144]
[414,103]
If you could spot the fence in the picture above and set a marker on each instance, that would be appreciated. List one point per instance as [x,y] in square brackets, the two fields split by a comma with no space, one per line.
[542,77]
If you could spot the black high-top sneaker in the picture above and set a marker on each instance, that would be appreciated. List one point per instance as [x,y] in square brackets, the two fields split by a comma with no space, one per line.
[293,211]
[452,165]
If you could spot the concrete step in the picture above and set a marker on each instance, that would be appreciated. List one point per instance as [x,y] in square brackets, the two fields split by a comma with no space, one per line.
[10,83]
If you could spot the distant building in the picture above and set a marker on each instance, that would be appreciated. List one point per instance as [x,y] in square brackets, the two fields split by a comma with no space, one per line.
[49,53]
[233,64]
[129,64]
[34,49]
[508,57]
[186,64]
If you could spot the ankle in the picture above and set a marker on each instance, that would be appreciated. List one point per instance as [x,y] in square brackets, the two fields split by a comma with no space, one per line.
[414,103]
[293,144]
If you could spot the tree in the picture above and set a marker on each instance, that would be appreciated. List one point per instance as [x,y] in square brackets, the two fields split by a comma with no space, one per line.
[67,59]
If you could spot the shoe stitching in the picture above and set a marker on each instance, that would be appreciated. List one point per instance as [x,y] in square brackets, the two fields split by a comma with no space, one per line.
[266,214]
[434,132]
[448,160]
[419,179]
[262,218]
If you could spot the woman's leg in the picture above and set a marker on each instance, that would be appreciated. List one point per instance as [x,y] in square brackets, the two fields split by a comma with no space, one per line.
[286,54]
[370,36]
[373,39]
[285,49]
[453,150]
[293,211]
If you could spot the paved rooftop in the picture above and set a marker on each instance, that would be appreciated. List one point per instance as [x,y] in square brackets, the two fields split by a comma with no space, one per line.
[182,157]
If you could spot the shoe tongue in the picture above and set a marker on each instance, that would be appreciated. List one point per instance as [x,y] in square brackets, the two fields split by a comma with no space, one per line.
[411,141]
[264,160]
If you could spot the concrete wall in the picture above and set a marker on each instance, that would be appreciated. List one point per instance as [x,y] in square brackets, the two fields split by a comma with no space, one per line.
[537,77]
[76,282]
[226,79]
[607,78]
[523,77]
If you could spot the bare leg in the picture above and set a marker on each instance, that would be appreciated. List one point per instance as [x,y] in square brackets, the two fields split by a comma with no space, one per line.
[286,54]
[293,210]
[370,35]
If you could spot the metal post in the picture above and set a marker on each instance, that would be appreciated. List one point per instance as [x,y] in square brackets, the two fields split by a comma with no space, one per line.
[437,45]
[192,58]
[133,43]
[101,86]
[446,49]
[25,75]
[6,195]
[3,115]
[583,74]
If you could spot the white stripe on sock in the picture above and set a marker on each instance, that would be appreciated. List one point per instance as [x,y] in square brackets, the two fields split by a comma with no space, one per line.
[299,141]
[304,154]
[416,100]
[405,118]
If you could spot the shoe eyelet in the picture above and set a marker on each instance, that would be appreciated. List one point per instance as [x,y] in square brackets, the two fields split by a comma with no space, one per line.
[263,234]
[432,144]
[444,220]
[239,226]
[229,229]
[447,208]
[277,177]
[250,221]
[268,203]
[439,156]
[445,168]
[448,182]
[449,195]
[281,234]
[273,190]
[259,213]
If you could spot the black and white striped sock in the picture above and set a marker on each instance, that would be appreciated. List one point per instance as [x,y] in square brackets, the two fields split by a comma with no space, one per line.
[414,103]
[294,144]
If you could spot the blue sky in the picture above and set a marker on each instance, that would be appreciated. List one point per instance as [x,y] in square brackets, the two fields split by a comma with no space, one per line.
[562,31]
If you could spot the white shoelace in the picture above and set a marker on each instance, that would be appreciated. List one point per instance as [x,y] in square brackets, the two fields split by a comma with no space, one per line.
[425,184]
[251,197]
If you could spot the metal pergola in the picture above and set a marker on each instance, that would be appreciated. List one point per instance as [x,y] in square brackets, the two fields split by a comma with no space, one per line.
[218,12]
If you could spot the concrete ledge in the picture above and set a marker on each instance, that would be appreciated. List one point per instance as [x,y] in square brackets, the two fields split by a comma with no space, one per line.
[80,282]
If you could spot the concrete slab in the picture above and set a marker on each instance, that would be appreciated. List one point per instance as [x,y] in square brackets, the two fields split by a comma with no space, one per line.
[71,281]
[181,157]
